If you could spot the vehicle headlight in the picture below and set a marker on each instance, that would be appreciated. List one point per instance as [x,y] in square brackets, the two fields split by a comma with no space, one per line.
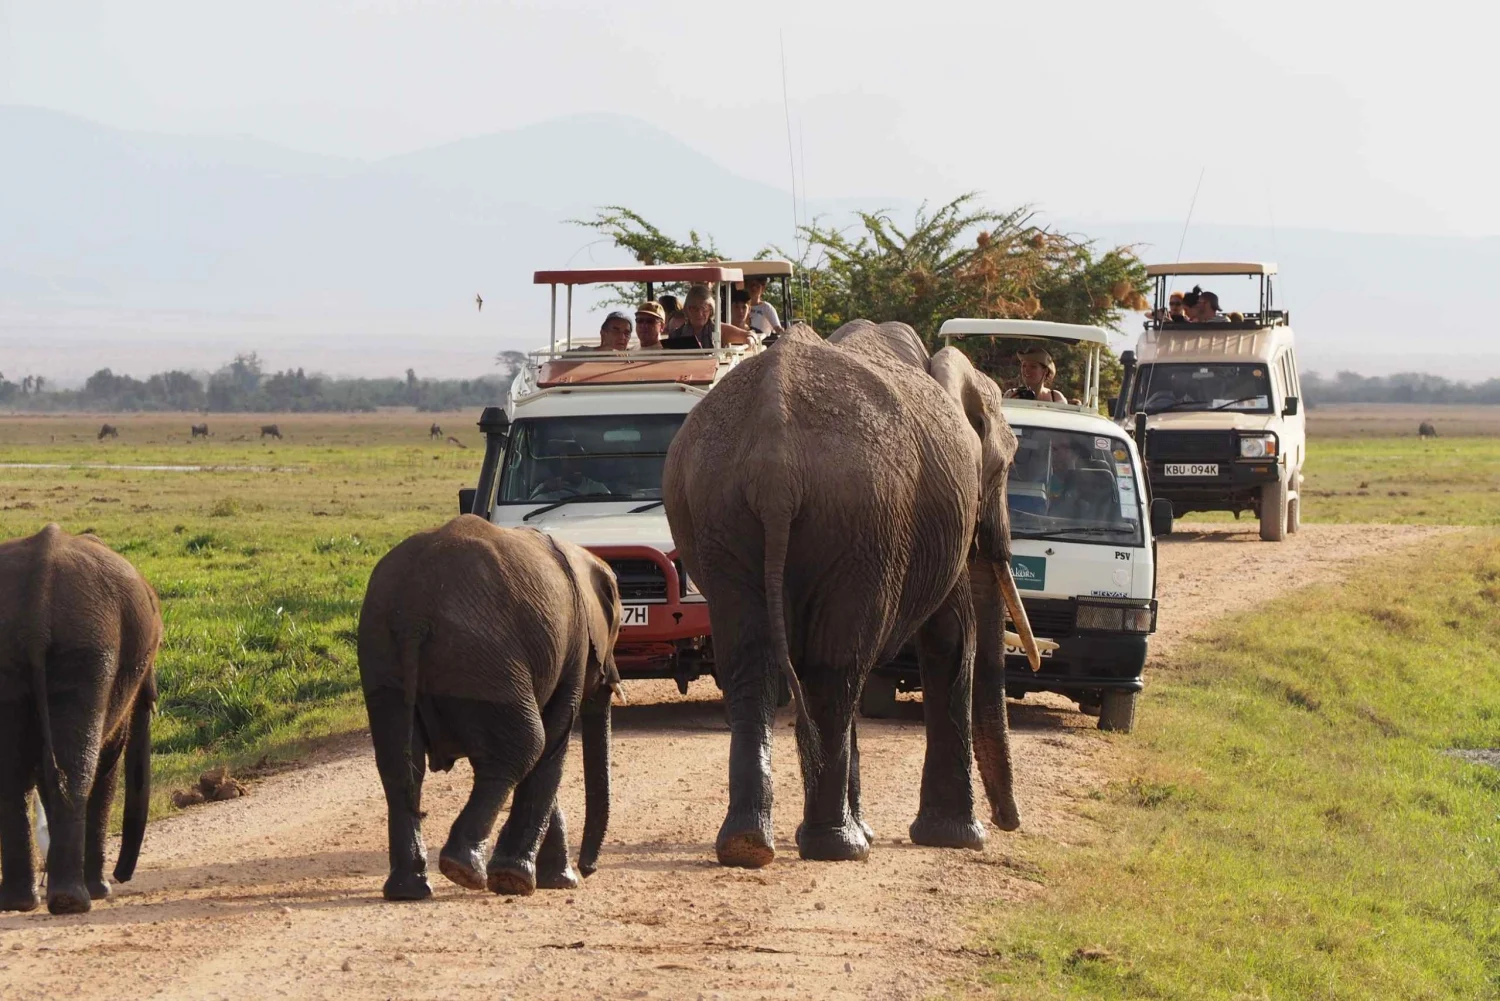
[1110,618]
[1258,446]
[684,582]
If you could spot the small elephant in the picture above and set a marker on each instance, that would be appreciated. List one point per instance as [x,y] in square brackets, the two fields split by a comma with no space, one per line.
[79,631]
[484,642]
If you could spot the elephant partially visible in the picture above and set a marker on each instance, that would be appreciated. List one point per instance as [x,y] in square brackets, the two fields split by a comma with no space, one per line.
[79,631]
[829,499]
[484,642]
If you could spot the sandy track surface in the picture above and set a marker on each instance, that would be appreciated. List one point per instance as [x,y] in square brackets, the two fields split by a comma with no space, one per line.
[278,894]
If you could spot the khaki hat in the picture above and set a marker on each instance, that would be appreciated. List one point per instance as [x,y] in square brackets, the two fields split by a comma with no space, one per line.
[650,308]
[1039,356]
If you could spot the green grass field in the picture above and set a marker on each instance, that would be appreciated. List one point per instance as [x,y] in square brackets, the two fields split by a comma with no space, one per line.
[261,565]
[1286,822]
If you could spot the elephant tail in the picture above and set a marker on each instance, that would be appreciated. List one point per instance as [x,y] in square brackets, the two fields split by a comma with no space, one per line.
[778,531]
[408,650]
[39,638]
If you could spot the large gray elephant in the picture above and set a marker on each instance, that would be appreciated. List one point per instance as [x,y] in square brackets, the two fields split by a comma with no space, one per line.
[79,631]
[483,642]
[831,500]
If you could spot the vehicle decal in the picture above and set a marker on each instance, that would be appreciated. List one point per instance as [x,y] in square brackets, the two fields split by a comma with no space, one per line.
[1030,572]
[1102,444]
[1122,554]
[1108,594]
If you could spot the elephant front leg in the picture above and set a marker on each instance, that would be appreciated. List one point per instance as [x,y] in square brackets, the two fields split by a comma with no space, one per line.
[830,830]
[945,652]
[745,838]
[17,771]
[532,849]
[399,754]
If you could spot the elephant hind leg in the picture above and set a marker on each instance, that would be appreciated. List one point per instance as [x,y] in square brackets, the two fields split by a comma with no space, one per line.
[18,761]
[399,754]
[534,814]
[504,742]
[96,831]
[76,707]
[830,831]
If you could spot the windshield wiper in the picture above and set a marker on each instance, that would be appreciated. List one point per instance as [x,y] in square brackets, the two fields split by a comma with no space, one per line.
[646,507]
[1174,406]
[566,500]
[1052,533]
[1230,403]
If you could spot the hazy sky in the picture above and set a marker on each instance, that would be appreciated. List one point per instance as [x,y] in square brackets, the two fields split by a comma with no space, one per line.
[1365,117]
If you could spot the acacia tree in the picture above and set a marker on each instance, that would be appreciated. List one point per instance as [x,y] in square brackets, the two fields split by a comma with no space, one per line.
[629,231]
[958,260]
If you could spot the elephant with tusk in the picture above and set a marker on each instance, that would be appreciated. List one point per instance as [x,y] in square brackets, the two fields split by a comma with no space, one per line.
[79,631]
[833,500]
[487,643]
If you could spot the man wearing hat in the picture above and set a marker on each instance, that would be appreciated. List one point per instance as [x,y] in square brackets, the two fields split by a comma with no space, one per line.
[614,333]
[1037,372]
[650,322]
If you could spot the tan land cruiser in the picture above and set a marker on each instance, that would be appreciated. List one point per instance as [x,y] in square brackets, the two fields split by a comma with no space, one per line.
[1215,397]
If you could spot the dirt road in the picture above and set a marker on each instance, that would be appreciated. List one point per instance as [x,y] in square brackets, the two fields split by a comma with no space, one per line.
[278,894]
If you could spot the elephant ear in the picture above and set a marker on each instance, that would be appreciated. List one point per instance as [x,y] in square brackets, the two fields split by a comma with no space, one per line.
[601,599]
[893,338]
[980,400]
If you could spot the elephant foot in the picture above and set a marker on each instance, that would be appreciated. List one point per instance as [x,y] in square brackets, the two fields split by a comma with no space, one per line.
[19,900]
[865,829]
[407,886]
[936,831]
[514,878]
[833,843]
[553,878]
[63,899]
[463,867]
[99,889]
[746,843]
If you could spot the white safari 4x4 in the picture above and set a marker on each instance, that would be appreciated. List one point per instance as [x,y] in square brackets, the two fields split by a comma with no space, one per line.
[1082,544]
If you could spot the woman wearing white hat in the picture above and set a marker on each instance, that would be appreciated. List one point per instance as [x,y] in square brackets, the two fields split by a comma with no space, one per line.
[1037,372]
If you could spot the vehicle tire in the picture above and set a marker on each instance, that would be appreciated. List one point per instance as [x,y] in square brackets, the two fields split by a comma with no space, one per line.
[1273,512]
[878,700]
[1294,515]
[1117,712]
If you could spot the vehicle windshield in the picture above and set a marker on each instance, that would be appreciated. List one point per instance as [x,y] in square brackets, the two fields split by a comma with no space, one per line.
[615,457]
[1244,388]
[1073,487]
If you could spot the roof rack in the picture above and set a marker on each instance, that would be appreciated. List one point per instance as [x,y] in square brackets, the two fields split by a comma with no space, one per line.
[1265,271]
[1095,338]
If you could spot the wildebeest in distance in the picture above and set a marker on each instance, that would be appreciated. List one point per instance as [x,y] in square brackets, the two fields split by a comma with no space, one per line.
[108,431]
[1426,430]
[270,429]
[200,430]
[435,431]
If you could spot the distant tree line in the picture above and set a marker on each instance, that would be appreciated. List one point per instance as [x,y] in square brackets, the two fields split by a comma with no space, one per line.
[1403,387]
[243,385]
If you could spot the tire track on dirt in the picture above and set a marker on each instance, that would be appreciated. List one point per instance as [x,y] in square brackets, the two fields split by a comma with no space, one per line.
[278,894]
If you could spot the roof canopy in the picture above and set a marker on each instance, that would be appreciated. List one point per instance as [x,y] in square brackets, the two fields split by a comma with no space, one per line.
[641,273]
[1039,330]
[772,268]
[1212,268]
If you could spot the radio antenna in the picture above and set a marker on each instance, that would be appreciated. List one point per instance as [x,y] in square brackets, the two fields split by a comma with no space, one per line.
[786,105]
[1189,219]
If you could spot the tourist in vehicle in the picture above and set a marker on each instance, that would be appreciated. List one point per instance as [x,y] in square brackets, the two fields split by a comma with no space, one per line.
[1175,313]
[675,319]
[698,330]
[650,325]
[614,333]
[669,304]
[739,308]
[1037,372]
[763,319]
[1203,307]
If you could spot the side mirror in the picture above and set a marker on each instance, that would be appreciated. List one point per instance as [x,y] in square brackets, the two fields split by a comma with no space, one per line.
[1113,403]
[1161,517]
[1290,410]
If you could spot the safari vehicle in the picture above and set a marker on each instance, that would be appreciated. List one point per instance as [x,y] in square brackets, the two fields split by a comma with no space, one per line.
[577,451]
[1219,404]
[1082,543]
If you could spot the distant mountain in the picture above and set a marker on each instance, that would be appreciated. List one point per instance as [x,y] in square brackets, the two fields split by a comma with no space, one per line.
[141,252]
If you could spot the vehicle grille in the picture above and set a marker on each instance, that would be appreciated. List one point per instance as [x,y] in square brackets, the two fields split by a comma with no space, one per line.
[1162,446]
[640,580]
[1050,618]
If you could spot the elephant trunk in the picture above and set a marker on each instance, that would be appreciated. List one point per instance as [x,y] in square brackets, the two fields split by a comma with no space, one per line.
[991,727]
[137,783]
[595,717]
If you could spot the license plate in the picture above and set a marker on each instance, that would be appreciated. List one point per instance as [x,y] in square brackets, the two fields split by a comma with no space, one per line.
[1015,651]
[1192,469]
[635,615]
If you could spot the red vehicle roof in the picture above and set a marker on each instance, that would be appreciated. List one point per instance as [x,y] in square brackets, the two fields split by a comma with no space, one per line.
[641,273]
